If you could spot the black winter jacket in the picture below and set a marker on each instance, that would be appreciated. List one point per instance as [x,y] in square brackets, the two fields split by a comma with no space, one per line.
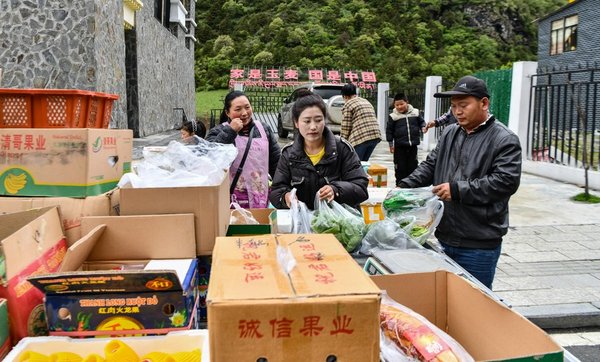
[404,129]
[225,134]
[340,167]
[484,170]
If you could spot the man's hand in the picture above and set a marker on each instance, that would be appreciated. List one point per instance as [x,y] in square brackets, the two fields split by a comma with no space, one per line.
[326,193]
[288,199]
[429,125]
[442,191]
[391,149]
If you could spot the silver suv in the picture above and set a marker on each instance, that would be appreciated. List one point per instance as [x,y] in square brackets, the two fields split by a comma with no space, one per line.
[332,96]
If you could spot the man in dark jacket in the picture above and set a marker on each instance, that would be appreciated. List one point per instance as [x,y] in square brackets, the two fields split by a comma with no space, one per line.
[475,168]
[403,133]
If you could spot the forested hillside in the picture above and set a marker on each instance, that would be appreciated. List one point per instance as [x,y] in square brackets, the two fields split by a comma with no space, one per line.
[402,41]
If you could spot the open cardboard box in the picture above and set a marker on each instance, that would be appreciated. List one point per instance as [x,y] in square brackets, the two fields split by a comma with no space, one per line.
[63,161]
[209,204]
[32,242]
[71,209]
[183,341]
[325,306]
[488,330]
[88,297]
[267,223]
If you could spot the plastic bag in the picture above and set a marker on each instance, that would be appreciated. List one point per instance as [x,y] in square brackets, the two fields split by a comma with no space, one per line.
[401,200]
[176,165]
[413,337]
[344,222]
[300,215]
[427,218]
[385,235]
[241,216]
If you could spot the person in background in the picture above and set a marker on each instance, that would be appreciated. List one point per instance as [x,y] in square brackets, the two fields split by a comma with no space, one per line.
[474,170]
[359,125]
[443,120]
[317,161]
[192,131]
[258,151]
[403,133]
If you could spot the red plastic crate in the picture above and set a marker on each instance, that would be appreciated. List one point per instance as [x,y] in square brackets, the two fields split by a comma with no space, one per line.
[54,108]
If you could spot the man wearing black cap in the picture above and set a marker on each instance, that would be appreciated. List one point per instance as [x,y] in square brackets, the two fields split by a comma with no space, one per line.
[474,169]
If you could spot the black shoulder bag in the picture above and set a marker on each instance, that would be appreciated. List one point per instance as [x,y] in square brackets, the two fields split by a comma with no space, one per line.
[242,162]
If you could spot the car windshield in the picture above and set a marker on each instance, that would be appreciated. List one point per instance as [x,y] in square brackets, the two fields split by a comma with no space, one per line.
[327,92]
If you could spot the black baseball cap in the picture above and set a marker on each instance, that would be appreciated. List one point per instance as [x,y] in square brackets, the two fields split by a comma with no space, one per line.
[467,85]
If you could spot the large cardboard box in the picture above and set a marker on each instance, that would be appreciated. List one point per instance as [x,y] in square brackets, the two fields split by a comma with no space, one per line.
[174,342]
[209,204]
[323,307]
[101,288]
[488,330]
[63,162]
[32,243]
[71,209]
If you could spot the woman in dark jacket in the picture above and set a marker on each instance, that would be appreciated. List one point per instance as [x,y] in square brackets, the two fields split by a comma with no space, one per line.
[317,161]
[251,183]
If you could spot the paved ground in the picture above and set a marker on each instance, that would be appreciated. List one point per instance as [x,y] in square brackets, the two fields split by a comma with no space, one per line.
[549,270]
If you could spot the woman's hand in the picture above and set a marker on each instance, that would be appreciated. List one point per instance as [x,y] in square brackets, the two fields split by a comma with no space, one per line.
[288,199]
[326,193]
[236,124]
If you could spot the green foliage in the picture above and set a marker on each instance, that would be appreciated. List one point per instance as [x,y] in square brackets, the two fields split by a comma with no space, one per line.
[589,198]
[403,42]
[207,100]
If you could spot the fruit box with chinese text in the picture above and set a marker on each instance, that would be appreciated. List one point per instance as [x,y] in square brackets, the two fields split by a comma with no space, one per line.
[466,313]
[134,275]
[290,298]
[32,242]
[63,162]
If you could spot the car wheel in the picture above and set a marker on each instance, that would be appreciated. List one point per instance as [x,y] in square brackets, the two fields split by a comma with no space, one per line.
[283,133]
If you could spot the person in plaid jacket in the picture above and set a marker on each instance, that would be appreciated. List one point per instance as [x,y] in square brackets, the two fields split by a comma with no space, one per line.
[359,125]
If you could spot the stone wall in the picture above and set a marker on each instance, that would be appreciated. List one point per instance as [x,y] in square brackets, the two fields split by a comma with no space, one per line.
[69,44]
[65,45]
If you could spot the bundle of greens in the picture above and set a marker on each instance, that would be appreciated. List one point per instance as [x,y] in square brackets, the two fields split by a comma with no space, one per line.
[398,200]
[345,223]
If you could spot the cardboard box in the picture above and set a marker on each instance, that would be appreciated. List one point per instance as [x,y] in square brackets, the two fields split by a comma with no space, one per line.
[4,331]
[378,175]
[32,243]
[324,306]
[71,209]
[267,223]
[92,294]
[372,208]
[173,342]
[466,313]
[209,204]
[63,162]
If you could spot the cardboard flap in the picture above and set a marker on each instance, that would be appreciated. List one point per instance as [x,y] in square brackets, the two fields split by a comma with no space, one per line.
[113,281]
[27,236]
[143,237]
[79,252]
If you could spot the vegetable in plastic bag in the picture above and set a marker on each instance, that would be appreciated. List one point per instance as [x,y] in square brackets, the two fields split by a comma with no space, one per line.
[387,235]
[346,225]
[406,199]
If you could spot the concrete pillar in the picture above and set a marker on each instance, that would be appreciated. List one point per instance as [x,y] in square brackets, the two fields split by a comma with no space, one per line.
[433,84]
[520,94]
[382,111]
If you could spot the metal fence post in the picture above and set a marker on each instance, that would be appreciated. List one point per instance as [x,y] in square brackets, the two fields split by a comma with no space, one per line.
[432,85]
[382,111]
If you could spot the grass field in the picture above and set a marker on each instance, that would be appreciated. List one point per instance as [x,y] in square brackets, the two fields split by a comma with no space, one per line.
[207,100]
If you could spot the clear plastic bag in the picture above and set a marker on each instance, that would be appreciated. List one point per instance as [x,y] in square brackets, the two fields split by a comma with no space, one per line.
[385,235]
[241,216]
[299,215]
[204,164]
[408,336]
[344,222]
[400,200]
[427,218]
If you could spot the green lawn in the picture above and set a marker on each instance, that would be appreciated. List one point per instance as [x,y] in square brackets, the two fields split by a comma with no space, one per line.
[207,100]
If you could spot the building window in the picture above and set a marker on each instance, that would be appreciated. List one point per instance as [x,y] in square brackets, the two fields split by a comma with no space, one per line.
[564,35]
[161,11]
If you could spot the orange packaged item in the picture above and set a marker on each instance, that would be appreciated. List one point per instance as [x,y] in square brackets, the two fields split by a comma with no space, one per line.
[415,337]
